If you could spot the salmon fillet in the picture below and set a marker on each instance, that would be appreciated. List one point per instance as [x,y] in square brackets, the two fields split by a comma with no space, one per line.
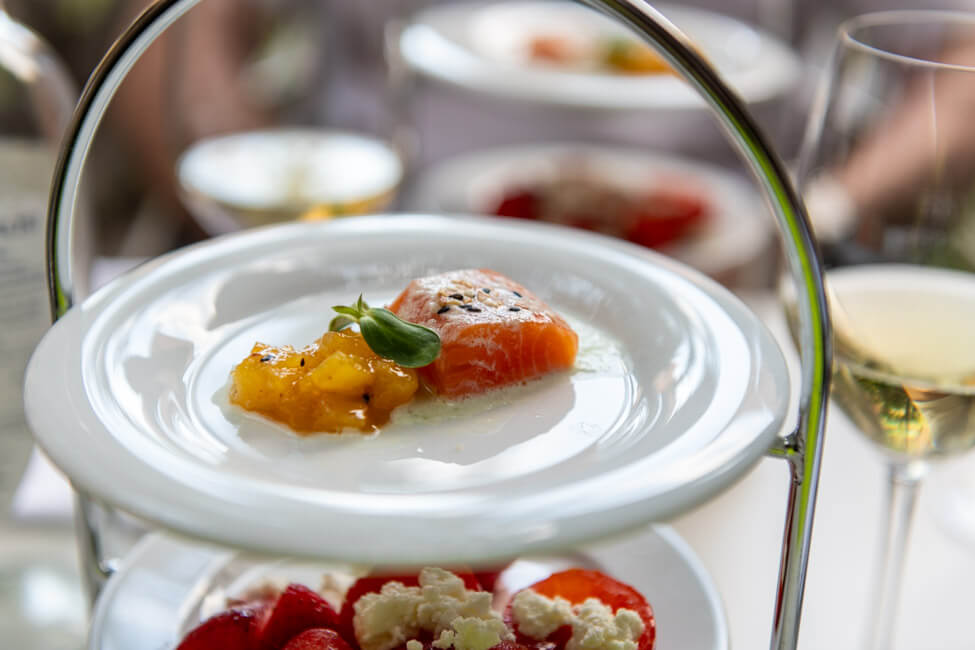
[493,331]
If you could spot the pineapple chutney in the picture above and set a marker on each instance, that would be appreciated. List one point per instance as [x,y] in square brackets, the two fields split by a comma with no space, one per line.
[336,383]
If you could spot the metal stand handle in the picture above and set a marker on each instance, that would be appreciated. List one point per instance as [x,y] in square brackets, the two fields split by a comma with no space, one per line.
[802,448]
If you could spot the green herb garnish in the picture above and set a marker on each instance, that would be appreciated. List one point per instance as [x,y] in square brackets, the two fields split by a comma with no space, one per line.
[389,336]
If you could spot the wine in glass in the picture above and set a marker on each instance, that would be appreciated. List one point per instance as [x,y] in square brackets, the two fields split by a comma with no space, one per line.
[888,172]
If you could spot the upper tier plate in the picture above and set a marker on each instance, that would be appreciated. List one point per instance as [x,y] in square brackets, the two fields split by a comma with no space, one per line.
[677,391]
[481,47]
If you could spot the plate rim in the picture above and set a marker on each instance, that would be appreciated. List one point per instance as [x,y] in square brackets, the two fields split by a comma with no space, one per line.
[667,501]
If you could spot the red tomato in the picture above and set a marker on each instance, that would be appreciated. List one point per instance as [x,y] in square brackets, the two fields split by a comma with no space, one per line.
[576,585]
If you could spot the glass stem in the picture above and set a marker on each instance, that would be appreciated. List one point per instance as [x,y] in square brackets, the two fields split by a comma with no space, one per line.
[902,489]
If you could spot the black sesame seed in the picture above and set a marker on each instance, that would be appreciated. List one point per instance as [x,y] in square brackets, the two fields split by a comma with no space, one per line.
[473,309]
[302,362]
[365,397]
[265,358]
[516,293]
[514,308]
[486,290]
[443,309]
[457,296]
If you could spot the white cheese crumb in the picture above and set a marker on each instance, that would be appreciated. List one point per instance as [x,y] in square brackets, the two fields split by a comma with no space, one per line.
[538,616]
[594,626]
[441,604]
[413,644]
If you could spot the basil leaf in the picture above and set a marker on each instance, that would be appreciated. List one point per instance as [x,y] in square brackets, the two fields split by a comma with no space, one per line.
[340,322]
[348,311]
[408,344]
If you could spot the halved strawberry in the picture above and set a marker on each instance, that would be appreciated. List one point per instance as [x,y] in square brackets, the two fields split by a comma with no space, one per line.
[230,630]
[297,609]
[318,639]
[576,585]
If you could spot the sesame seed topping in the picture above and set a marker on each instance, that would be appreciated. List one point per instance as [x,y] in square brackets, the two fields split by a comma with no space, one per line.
[443,309]
[457,296]
[514,308]
[265,358]
[516,293]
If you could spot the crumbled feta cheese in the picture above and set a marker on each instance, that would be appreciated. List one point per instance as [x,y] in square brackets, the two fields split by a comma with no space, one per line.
[538,616]
[441,605]
[594,626]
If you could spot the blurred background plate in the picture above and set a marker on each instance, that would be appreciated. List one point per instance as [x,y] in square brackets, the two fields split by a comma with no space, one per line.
[483,47]
[731,243]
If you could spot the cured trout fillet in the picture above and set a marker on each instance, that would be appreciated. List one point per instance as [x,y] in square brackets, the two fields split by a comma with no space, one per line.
[493,331]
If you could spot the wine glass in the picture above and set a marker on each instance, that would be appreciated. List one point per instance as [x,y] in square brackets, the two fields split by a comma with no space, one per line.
[888,172]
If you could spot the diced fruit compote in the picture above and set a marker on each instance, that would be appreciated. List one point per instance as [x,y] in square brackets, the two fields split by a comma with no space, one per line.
[337,383]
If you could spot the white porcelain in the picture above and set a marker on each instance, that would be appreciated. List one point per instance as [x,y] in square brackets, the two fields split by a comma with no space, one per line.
[167,586]
[738,231]
[481,46]
[678,390]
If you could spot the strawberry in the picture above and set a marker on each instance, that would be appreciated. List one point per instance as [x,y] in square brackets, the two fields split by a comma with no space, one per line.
[318,639]
[230,630]
[297,609]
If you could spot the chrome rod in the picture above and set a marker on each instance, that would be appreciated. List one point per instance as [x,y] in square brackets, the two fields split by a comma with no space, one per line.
[803,450]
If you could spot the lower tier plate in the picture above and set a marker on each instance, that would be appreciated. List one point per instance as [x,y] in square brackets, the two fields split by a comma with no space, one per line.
[166,586]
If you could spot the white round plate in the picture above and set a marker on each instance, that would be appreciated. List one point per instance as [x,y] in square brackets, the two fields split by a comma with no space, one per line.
[677,391]
[166,587]
[738,231]
[481,46]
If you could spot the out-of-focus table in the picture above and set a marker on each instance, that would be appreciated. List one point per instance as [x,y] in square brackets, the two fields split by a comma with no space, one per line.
[738,538]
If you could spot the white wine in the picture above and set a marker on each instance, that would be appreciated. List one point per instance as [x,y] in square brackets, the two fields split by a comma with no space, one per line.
[904,355]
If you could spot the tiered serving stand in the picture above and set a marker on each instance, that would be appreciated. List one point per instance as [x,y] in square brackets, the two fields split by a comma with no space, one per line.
[684,393]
